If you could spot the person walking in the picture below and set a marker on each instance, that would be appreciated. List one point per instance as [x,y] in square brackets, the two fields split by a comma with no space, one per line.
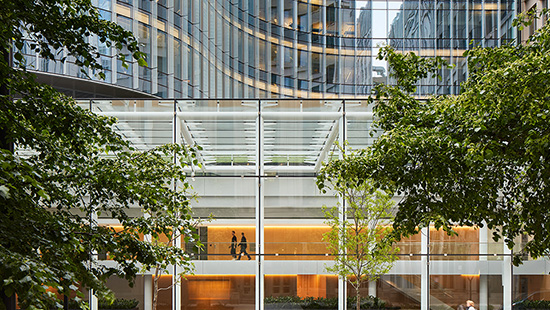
[243,246]
[470,305]
[233,245]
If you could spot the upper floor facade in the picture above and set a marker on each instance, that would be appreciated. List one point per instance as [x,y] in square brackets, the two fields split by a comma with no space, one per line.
[282,48]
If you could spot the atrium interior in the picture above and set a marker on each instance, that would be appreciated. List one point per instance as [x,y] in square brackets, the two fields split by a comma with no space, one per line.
[258,177]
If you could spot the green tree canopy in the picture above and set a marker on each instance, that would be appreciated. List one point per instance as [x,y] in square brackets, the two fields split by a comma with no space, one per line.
[69,167]
[480,157]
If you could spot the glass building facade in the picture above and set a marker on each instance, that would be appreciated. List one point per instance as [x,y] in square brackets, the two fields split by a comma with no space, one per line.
[301,70]
[260,159]
[289,48]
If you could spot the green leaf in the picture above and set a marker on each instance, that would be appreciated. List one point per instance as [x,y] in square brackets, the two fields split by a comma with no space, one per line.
[142,62]
[43,194]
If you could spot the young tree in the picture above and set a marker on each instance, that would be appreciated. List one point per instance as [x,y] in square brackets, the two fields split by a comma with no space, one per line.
[359,245]
[69,167]
[171,238]
[480,157]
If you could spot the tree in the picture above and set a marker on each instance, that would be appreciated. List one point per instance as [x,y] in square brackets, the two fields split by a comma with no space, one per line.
[69,167]
[160,267]
[163,243]
[359,245]
[478,158]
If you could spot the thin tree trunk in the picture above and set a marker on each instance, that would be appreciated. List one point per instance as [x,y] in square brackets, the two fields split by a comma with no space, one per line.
[358,296]
[156,288]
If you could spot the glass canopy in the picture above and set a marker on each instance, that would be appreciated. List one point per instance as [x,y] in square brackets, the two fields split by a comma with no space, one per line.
[245,137]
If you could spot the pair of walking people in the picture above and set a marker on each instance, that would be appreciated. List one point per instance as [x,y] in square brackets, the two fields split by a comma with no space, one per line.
[243,245]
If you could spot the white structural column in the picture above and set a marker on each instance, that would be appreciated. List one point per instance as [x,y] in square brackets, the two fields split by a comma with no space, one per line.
[342,284]
[483,280]
[93,261]
[93,301]
[147,281]
[372,288]
[147,292]
[259,210]
[507,275]
[176,281]
[176,288]
[425,271]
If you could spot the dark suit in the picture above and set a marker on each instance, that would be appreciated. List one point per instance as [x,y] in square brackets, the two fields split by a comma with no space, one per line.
[234,246]
[243,246]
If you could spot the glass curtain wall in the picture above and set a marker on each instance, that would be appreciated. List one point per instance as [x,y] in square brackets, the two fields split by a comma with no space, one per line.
[259,163]
[290,48]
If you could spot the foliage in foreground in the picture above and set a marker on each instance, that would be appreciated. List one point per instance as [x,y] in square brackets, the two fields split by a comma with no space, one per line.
[478,158]
[71,167]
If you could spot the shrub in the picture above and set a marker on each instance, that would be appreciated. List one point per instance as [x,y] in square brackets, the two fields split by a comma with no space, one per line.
[118,303]
[294,302]
[532,304]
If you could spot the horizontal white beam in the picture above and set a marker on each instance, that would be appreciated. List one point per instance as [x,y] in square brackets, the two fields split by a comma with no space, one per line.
[153,116]
[213,115]
[237,169]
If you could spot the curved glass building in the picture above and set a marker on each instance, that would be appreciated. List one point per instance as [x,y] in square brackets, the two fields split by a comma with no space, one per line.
[285,48]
